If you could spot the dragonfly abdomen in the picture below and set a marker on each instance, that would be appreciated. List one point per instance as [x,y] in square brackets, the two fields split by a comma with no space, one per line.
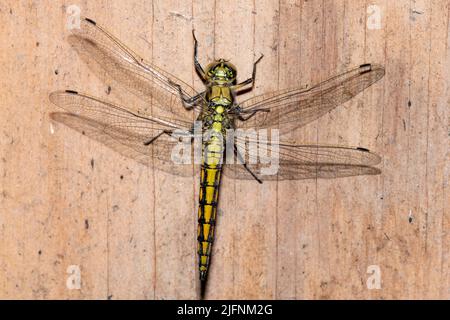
[210,175]
[207,212]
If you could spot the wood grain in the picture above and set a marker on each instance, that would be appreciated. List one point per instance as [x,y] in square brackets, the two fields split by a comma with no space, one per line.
[66,200]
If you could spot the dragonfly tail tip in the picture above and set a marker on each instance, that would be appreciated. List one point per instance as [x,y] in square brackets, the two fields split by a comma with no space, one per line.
[202,289]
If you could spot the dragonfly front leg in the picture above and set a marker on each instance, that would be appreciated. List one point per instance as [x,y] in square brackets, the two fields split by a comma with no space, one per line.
[249,80]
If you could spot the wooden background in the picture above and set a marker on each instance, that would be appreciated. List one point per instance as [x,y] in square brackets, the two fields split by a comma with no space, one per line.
[67,200]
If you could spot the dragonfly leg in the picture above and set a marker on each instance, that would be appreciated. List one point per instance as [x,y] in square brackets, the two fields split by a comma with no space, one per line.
[252,114]
[188,102]
[241,159]
[198,66]
[149,142]
[249,80]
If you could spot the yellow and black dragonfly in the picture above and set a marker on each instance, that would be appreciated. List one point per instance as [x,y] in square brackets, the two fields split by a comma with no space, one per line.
[177,127]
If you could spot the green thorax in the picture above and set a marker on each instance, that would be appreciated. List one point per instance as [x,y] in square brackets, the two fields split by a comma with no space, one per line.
[220,76]
[219,101]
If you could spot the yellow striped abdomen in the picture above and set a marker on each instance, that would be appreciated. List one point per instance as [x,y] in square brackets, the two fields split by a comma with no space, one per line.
[210,175]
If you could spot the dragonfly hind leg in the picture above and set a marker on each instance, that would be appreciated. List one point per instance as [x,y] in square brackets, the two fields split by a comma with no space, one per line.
[150,141]
[241,160]
[188,102]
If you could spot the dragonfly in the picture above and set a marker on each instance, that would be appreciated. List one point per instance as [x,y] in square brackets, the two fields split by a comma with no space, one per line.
[171,111]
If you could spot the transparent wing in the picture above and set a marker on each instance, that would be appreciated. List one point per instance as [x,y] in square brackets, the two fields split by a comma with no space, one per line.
[111,59]
[150,141]
[143,139]
[301,171]
[276,161]
[290,109]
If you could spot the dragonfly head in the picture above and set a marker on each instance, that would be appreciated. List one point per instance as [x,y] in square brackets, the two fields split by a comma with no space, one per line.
[221,72]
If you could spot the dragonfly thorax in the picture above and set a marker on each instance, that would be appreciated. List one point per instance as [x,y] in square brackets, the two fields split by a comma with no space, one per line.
[220,100]
[219,95]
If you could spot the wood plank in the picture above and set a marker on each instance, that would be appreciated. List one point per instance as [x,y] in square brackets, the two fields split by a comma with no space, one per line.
[66,200]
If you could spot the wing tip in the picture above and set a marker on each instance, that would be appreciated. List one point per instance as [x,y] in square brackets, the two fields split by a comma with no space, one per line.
[370,67]
[374,158]
[376,171]
[53,115]
[90,21]
[58,116]
[53,95]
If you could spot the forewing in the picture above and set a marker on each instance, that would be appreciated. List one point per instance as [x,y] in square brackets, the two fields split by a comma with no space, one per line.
[98,48]
[290,109]
[104,111]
